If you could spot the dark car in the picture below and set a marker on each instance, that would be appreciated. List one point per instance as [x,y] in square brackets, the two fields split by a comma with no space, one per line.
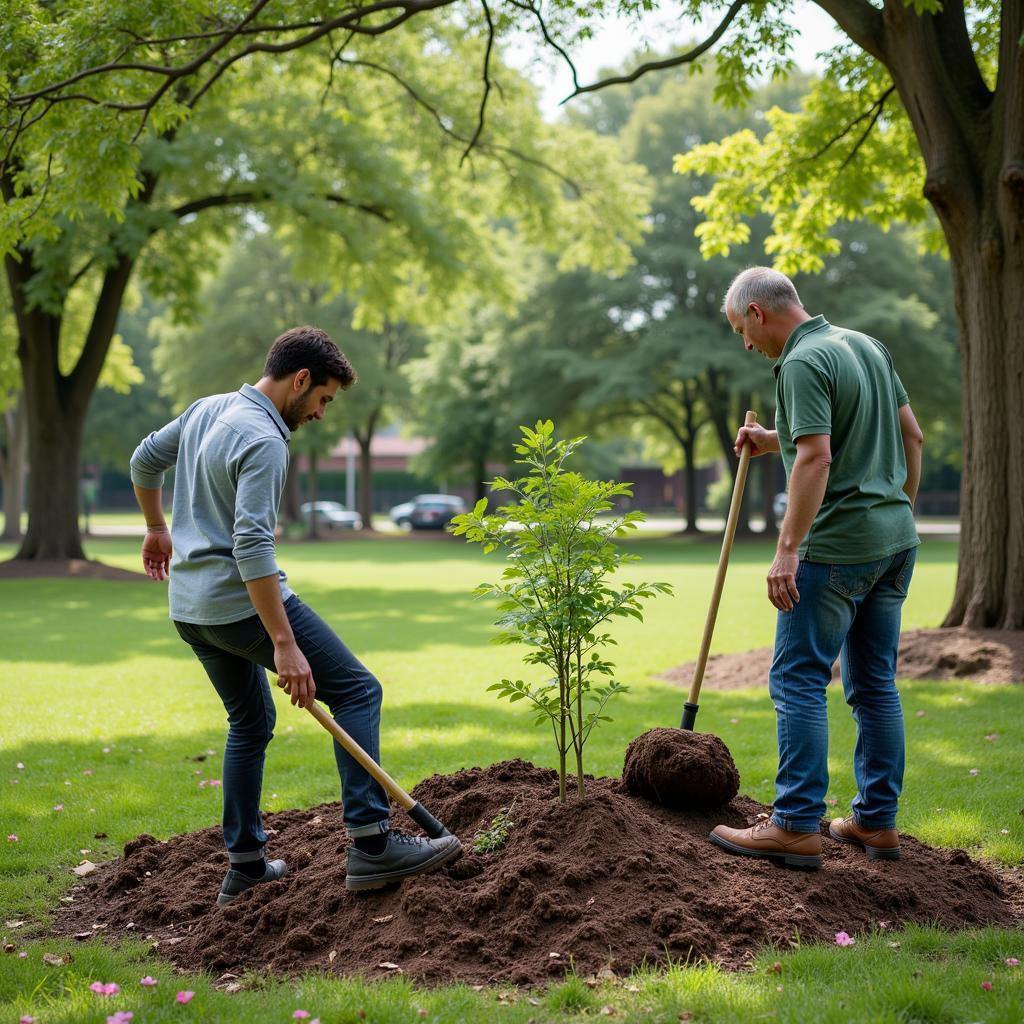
[428,511]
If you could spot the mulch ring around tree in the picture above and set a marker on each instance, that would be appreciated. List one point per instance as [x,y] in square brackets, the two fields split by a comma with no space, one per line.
[66,568]
[611,882]
[990,656]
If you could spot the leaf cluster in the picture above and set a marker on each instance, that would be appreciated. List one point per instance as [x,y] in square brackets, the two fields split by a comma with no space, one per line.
[555,595]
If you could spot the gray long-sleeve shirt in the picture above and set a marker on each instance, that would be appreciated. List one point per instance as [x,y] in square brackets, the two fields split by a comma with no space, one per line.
[231,458]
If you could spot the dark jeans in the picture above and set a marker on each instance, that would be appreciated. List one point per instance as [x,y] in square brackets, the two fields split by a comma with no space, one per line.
[235,656]
[855,610]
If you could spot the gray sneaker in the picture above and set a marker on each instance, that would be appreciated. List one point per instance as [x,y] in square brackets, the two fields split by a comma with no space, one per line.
[235,882]
[404,856]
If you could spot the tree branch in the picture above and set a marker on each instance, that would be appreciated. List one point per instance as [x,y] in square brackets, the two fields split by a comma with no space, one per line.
[537,13]
[670,62]
[861,21]
[873,112]
[487,83]
[247,198]
[492,148]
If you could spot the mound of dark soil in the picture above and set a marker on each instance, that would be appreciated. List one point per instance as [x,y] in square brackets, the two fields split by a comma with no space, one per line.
[609,881]
[681,769]
[981,655]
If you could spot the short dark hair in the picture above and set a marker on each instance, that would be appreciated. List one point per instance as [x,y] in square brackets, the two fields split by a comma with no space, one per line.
[309,348]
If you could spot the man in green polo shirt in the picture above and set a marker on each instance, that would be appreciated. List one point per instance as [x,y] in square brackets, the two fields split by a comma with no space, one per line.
[852,451]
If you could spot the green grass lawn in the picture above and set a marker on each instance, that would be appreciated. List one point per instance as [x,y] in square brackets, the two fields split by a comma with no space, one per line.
[104,707]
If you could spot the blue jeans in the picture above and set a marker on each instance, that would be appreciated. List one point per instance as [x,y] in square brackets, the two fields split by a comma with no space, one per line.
[855,610]
[235,656]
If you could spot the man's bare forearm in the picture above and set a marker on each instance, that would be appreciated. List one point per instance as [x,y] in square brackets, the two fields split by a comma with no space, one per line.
[150,501]
[265,594]
[807,482]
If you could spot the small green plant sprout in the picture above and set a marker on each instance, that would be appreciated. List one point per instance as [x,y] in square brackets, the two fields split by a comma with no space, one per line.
[554,596]
[495,836]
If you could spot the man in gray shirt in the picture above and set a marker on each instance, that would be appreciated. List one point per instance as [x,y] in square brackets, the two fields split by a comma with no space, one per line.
[231,603]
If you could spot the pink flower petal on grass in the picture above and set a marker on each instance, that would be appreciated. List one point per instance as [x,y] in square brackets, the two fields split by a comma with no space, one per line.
[108,988]
[214,782]
[300,1014]
[58,807]
[121,1017]
[23,955]
[184,997]
[987,986]
[12,838]
[26,1019]
[842,939]
[1012,961]
[148,981]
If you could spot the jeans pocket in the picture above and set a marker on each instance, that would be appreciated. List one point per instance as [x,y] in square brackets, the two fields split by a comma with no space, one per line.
[852,580]
[240,637]
[906,571]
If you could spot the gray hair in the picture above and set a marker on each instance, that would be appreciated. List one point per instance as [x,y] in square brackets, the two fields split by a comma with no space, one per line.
[768,288]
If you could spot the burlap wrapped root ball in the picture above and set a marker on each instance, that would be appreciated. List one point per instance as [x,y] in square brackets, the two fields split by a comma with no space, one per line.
[687,771]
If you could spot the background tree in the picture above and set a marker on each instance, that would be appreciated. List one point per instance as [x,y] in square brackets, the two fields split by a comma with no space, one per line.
[360,161]
[921,106]
[256,295]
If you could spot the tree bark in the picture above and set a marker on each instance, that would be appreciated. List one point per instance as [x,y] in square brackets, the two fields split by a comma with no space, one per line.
[989,288]
[14,465]
[366,476]
[972,142]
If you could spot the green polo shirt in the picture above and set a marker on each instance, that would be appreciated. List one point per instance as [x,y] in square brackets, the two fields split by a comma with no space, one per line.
[829,380]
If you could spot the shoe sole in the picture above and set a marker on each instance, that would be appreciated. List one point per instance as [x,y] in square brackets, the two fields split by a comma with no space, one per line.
[874,852]
[359,882]
[793,860]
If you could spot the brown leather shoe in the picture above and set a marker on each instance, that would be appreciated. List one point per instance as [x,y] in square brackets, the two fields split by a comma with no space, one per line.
[766,839]
[877,843]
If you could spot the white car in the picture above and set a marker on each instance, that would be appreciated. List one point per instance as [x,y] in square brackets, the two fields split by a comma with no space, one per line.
[331,515]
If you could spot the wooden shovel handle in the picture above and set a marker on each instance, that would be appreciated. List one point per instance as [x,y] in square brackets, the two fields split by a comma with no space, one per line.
[723,561]
[392,788]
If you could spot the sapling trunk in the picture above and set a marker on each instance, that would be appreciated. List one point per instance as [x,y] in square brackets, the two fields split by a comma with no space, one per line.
[579,724]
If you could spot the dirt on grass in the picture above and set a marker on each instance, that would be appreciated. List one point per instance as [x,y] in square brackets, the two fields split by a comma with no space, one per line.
[65,568]
[991,656]
[607,883]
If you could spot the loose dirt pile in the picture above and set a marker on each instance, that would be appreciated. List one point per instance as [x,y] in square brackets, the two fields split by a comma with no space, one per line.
[680,769]
[981,655]
[611,881]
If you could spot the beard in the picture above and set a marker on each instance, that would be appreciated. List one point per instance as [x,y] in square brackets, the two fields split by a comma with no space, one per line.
[295,413]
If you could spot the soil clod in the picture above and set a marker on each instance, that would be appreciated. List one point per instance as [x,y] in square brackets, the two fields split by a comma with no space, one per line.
[681,769]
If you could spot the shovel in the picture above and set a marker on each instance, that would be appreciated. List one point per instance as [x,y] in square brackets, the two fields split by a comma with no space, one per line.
[413,808]
[690,708]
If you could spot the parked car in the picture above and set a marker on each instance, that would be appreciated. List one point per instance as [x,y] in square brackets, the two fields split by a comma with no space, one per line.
[427,511]
[331,515]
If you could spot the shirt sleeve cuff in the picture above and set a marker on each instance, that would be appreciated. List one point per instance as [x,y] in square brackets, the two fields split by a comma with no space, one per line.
[143,479]
[256,567]
[811,428]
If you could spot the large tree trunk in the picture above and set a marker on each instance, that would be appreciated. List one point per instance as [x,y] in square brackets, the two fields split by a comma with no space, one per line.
[989,287]
[14,463]
[56,403]
[972,141]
